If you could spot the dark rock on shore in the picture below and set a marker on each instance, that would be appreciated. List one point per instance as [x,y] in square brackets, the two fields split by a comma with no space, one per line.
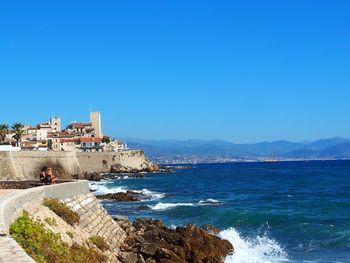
[108,176]
[146,167]
[150,241]
[129,196]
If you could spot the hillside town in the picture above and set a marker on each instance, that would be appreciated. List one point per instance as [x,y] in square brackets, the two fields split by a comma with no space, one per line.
[50,136]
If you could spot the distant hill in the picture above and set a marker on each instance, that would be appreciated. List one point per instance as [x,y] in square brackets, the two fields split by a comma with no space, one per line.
[218,150]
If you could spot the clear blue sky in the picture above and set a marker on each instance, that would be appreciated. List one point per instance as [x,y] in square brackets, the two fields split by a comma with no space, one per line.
[242,71]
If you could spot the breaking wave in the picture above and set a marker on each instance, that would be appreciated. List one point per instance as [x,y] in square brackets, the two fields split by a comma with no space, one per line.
[102,189]
[150,194]
[259,249]
[209,201]
[166,206]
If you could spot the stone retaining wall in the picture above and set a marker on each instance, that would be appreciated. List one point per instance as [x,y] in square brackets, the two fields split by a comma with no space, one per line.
[12,205]
[94,219]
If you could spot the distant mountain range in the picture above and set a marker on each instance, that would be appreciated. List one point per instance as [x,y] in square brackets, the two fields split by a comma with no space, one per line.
[182,151]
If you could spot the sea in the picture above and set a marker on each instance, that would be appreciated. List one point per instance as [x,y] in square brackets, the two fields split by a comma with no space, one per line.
[270,212]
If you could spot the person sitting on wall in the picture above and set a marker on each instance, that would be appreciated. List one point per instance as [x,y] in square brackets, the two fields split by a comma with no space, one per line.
[42,176]
[51,177]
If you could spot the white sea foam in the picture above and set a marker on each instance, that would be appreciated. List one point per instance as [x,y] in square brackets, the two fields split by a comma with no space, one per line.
[100,188]
[209,201]
[152,194]
[259,249]
[166,206]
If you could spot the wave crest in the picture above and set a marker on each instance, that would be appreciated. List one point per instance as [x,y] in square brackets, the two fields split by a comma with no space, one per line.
[166,206]
[102,189]
[253,250]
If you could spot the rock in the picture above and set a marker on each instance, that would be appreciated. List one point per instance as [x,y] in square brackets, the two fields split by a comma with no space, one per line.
[210,229]
[121,197]
[147,167]
[128,257]
[200,246]
[157,243]
[118,168]
[92,176]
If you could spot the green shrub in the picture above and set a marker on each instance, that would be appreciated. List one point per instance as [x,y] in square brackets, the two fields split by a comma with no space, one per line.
[99,242]
[62,211]
[70,234]
[51,221]
[44,246]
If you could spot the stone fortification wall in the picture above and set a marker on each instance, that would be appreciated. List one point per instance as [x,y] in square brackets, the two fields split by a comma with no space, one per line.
[27,164]
[102,161]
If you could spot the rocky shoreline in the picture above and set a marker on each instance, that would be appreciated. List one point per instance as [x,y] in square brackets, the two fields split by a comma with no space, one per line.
[121,172]
[149,241]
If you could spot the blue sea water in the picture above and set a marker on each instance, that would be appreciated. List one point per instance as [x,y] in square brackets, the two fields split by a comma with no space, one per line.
[270,212]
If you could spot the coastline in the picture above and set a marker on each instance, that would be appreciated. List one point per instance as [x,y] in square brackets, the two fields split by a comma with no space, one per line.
[123,236]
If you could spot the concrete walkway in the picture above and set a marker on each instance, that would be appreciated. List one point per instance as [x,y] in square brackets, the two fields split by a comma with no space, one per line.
[7,191]
[10,251]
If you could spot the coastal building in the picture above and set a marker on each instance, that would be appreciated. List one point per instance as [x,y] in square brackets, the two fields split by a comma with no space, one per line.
[67,145]
[93,144]
[77,136]
[56,138]
[80,128]
[44,126]
[116,146]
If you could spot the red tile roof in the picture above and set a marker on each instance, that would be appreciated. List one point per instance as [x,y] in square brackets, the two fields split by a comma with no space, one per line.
[92,139]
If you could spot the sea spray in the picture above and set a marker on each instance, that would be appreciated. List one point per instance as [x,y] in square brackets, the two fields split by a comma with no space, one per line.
[101,188]
[258,249]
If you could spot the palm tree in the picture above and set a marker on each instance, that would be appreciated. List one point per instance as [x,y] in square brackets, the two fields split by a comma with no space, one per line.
[17,128]
[4,128]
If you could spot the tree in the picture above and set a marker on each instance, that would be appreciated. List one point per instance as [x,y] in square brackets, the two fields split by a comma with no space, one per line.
[18,129]
[4,128]
[106,139]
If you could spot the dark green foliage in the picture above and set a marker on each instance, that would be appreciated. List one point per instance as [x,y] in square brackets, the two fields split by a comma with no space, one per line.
[18,129]
[44,246]
[51,221]
[106,139]
[99,242]
[62,211]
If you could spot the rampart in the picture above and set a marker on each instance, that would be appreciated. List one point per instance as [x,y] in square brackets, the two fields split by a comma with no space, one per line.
[27,164]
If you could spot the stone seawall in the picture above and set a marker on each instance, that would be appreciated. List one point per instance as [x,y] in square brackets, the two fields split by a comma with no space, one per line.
[27,164]
[94,219]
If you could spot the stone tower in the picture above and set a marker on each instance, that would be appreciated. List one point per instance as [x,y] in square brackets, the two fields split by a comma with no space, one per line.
[56,124]
[95,119]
